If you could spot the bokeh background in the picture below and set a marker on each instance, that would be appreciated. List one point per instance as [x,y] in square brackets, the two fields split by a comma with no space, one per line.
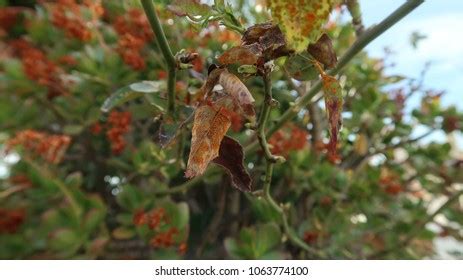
[77,182]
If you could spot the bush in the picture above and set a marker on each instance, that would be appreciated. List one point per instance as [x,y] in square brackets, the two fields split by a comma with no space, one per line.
[97,117]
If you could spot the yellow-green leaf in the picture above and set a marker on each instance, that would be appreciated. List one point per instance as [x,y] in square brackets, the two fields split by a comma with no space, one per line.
[301,20]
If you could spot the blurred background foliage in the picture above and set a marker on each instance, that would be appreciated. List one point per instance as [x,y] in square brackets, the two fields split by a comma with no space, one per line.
[77,183]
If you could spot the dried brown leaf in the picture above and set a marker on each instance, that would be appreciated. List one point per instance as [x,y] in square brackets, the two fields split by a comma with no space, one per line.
[269,38]
[231,157]
[243,100]
[323,51]
[333,103]
[247,54]
[209,128]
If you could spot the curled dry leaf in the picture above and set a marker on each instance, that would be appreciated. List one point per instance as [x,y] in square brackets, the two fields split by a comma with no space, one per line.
[247,54]
[209,128]
[243,100]
[212,120]
[301,21]
[323,51]
[333,103]
[231,157]
[259,44]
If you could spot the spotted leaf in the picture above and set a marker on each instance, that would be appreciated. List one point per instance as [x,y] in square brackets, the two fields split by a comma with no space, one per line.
[301,20]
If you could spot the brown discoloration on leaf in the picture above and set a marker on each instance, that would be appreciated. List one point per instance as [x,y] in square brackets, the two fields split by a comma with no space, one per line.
[333,103]
[247,54]
[231,157]
[302,20]
[213,119]
[269,38]
[209,128]
[240,94]
[323,51]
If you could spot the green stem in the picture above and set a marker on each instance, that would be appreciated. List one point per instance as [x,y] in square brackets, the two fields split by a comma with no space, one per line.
[166,52]
[271,160]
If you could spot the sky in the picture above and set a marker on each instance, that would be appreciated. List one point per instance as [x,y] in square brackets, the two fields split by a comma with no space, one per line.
[441,21]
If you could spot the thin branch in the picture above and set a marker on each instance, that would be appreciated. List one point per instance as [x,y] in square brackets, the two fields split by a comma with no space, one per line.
[270,161]
[354,9]
[166,52]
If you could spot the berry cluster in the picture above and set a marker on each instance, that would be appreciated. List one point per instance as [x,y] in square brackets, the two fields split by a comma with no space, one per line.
[11,220]
[51,148]
[283,142]
[157,219]
[135,32]
[118,125]
[38,68]
[66,15]
[129,47]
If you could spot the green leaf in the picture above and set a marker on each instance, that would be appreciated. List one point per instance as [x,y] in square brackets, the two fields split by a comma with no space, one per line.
[301,21]
[123,233]
[190,8]
[301,68]
[254,242]
[63,238]
[73,129]
[147,86]
[130,92]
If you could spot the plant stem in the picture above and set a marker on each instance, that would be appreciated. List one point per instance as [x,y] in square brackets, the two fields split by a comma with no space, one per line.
[270,161]
[166,52]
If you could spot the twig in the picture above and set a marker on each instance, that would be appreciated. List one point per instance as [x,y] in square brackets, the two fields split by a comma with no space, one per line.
[166,52]
[270,161]
[354,10]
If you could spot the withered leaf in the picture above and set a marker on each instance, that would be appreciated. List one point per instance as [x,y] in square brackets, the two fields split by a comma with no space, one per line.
[247,54]
[269,38]
[323,51]
[213,119]
[209,128]
[243,99]
[231,157]
[243,102]
[301,21]
[333,103]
